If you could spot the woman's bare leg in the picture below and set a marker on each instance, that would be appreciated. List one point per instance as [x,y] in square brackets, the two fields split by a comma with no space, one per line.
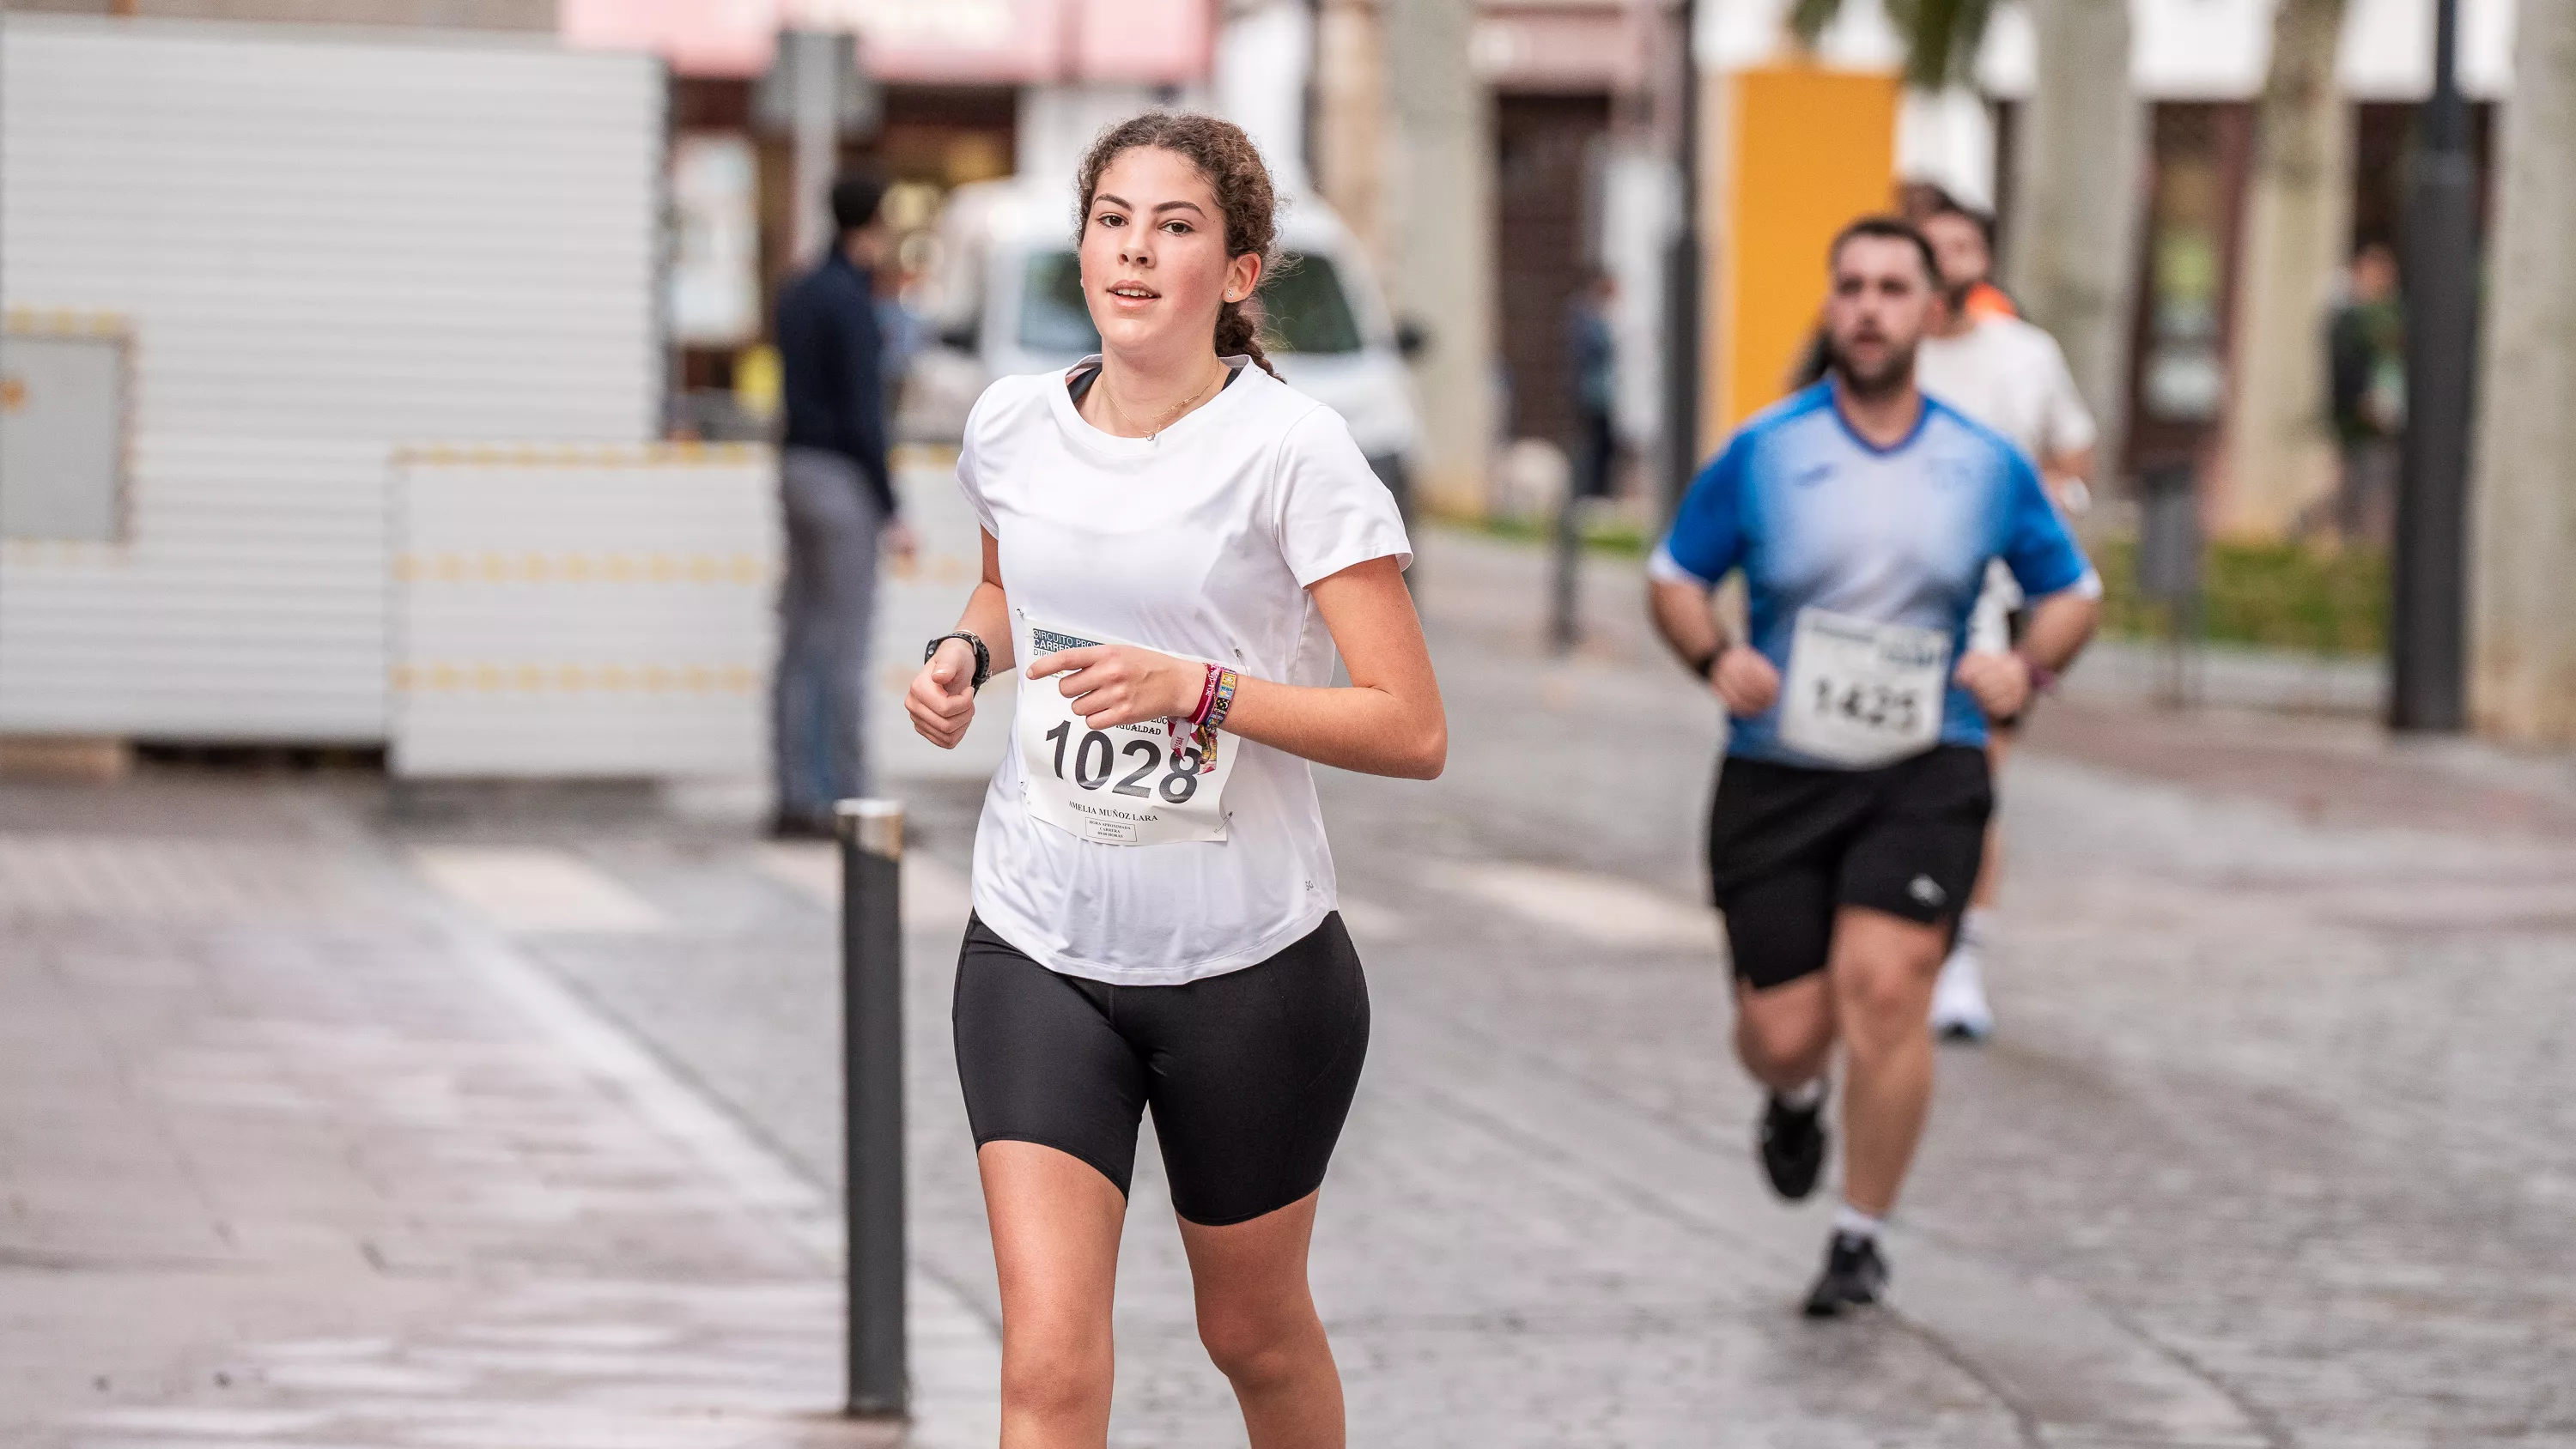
[1257,1318]
[1055,1243]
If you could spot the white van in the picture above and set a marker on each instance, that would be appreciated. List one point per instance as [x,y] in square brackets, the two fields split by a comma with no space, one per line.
[1006,297]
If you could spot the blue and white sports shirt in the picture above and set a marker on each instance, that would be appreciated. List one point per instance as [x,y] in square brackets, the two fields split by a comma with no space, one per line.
[1817,516]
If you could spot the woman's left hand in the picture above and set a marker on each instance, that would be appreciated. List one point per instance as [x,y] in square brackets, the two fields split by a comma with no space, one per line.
[1113,684]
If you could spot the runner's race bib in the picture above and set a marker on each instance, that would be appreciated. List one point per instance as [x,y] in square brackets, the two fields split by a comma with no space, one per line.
[1862,693]
[1125,785]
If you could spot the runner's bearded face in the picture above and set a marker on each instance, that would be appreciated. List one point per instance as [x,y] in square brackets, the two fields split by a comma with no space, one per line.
[1154,266]
[1878,310]
[1959,244]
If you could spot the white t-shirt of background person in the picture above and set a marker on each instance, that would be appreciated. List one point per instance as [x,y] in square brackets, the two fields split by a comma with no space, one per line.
[1201,543]
[2010,376]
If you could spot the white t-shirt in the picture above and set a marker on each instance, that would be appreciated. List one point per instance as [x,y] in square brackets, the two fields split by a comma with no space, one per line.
[2010,376]
[1200,542]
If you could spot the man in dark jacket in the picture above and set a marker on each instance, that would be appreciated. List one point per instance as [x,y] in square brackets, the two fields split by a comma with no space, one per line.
[2366,362]
[1592,357]
[838,497]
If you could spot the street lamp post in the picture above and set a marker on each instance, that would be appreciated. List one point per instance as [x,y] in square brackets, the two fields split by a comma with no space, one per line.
[1681,289]
[2427,631]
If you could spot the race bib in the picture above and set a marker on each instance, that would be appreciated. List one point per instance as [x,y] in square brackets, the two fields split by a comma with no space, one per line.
[1129,784]
[1862,693]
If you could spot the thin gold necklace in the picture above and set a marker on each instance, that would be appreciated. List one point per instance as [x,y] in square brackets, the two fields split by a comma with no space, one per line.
[1109,395]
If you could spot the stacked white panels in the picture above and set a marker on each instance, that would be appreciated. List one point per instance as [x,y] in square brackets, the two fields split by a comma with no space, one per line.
[584,611]
[324,243]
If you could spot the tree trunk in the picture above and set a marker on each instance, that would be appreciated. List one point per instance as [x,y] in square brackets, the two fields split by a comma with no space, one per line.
[1350,158]
[2280,450]
[2523,525]
[1948,136]
[2072,256]
[1441,224]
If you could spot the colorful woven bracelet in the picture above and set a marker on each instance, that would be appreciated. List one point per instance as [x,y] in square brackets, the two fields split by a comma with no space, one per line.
[1207,696]
[1195,722]
[1227,681]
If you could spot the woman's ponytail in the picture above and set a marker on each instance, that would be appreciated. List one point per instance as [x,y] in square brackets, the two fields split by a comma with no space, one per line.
[1237,337]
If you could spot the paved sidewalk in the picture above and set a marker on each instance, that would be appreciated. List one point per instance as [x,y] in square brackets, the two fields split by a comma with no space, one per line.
[291,1154]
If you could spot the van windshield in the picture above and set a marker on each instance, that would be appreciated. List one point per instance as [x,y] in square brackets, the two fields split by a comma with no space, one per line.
[1303,305]
[1305,310]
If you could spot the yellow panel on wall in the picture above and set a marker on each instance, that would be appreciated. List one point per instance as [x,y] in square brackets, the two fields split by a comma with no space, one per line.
[1806,150]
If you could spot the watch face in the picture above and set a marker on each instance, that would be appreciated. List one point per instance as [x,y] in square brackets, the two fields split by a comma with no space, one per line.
[983,660]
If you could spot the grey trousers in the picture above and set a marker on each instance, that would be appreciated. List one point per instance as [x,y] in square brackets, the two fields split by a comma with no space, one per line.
[2366,494]
[826,608]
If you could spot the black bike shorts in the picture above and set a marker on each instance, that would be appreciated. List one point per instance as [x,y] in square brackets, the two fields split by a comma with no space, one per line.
[1250,1073]
[1790,846]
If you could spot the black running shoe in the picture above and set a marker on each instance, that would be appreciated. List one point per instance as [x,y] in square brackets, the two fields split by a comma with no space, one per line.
[1793,1146]
[1854,1276]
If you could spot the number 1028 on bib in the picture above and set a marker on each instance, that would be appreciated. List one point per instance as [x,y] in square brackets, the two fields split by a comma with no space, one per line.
[1130,784]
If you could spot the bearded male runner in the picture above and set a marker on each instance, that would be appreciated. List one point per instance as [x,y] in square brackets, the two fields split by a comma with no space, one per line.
[1850,809]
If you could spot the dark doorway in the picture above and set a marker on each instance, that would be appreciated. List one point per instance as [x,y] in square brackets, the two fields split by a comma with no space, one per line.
[2181,330]
[1547,150]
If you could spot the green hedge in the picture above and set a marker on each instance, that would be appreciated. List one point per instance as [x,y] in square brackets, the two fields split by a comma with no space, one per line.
[1601,534]
[2278,595]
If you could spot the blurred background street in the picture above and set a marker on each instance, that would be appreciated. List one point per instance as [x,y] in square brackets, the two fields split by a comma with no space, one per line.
[420,1024]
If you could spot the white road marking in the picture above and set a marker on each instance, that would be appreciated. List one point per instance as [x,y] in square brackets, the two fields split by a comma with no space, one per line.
[535,888]
[1604,909]
[50,876]
[934,894]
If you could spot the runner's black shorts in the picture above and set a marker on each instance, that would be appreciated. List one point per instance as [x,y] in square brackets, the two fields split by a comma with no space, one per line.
[1249,1073]
[1789,846]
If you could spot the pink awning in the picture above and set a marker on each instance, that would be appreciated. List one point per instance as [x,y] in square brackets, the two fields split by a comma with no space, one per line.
[963,42]
[1148,42]
[1018,42]
[697,37]
[975,42]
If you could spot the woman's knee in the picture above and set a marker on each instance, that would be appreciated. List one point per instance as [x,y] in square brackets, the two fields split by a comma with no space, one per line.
[1253,1344]
[1057,1378]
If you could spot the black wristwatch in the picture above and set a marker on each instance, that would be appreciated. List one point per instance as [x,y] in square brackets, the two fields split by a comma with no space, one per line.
[983,656]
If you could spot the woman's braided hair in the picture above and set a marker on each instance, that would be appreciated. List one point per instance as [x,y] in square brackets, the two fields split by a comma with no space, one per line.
[1232,165]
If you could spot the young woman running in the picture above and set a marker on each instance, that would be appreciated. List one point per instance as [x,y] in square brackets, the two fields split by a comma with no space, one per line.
[1176,544]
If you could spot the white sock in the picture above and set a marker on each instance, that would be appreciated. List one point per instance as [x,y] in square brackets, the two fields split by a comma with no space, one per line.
[1975,925]
[1805,1098]
[1851,1222]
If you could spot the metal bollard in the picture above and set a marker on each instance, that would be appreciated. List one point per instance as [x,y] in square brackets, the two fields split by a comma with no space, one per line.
[1566,565]
[871,834]
[2169,569]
